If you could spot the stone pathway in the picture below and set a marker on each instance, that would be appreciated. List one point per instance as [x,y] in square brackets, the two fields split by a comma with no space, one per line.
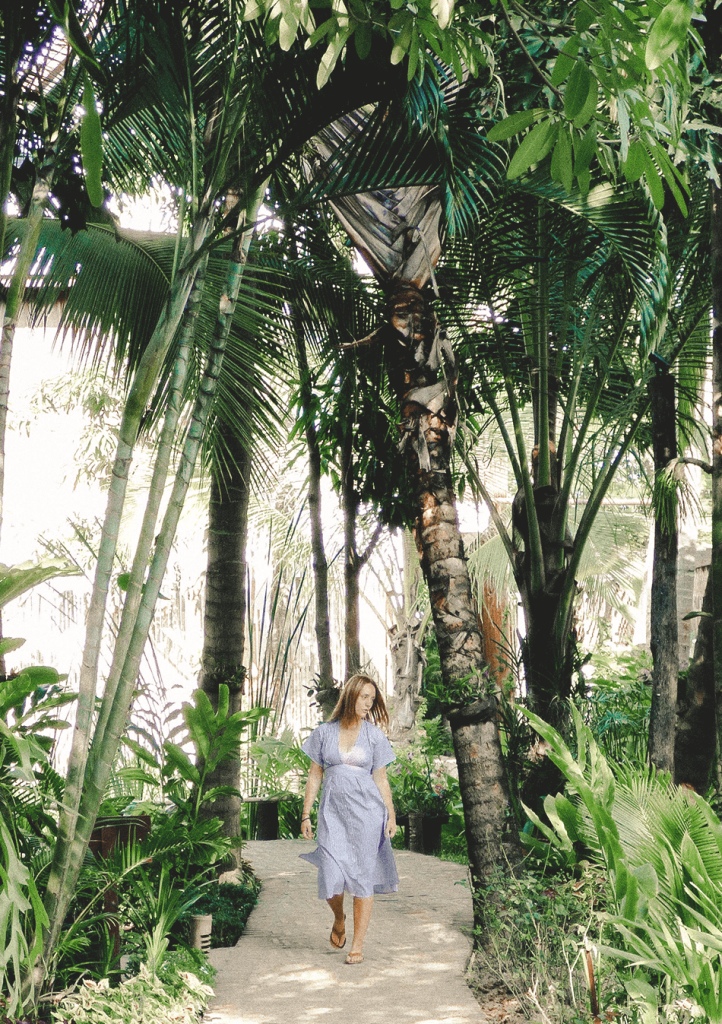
[284,971]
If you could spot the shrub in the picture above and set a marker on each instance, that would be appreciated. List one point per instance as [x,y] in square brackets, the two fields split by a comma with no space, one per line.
[230,905]
[143,999]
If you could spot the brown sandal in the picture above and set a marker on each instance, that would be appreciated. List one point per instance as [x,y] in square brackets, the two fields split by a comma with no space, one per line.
[338,945]
[354,958]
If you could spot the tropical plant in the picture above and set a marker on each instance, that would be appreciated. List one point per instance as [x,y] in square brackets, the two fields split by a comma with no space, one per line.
[141,998]
[274,759]
[219,95]
[581,327]
[662,849]
[230,905]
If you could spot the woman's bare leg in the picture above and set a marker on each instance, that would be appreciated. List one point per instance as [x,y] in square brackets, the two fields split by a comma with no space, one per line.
[339,928]
[362,908]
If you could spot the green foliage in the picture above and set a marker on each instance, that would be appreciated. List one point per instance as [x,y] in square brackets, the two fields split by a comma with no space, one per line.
[182,961]
[418,780]
[91,145]
[661,847]
[274,759]
[16,579]
[537,929]
[230,905]
[617,703]
[415,31]
[143,999]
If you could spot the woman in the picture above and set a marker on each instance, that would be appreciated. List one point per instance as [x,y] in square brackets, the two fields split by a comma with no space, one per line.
[356,819]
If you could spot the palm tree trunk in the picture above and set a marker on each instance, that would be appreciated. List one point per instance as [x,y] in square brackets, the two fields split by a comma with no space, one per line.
[696,737]
[351,566]
[224,614]
[663,602]
[415,349]
[716,567]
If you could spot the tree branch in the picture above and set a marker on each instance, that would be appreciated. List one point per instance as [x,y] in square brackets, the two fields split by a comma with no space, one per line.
[529,57]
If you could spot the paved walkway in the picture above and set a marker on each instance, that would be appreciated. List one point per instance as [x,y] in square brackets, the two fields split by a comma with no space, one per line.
[284,971]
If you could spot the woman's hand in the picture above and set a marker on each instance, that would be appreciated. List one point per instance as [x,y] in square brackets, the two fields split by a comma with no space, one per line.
[391,828]
[306,829]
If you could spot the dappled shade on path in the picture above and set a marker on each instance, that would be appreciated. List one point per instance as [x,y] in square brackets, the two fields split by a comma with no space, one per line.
[284,971]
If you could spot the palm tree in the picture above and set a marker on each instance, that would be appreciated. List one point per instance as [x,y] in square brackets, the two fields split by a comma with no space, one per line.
[191,114]
[560,300]
[400,232]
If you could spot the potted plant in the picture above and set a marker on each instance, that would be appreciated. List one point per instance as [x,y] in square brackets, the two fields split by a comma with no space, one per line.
[276,761]
[421,790]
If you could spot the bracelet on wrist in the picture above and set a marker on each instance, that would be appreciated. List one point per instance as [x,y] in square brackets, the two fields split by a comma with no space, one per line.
[307,818]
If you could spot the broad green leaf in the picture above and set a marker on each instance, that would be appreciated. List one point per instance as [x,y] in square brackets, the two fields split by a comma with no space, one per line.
[141,752]
[585,17]
[287,30]
[9,644]
[654,182]
[668,33]
[414,50]
[16,579]
[91,146]
[584,150]
[590,107]
[533,148]
[561,168]
[362,38]
[647,878]
[402,43]
[635,163]
[137,775]
[179,760]
[330,57]
[511,126]
[217,791]
[252,10]
[42,675]
[563,66]
[443,11]
[565,61]
[577,91]
[322,30]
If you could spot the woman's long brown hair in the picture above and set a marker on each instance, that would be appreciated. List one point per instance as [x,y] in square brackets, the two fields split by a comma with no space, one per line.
[345,710]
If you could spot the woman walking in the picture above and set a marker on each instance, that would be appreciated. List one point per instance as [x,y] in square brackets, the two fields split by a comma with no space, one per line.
[356,819]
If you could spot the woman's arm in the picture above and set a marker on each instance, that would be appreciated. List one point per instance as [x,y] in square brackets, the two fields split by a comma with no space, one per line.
[379,777]
[313,784]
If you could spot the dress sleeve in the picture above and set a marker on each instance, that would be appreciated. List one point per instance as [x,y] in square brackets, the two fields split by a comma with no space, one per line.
[312,746]
[382,751]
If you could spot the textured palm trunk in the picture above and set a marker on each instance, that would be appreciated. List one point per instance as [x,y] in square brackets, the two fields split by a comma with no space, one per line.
[716,567]
[416,351]
[225,611]
[663,601]
[696,737]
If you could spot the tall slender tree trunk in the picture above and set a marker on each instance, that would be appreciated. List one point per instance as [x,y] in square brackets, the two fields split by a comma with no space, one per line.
[696,737]
[663,602]
[716,567]
[92,785]
[327,694]
[351,566]
[415,351]
[224,614]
